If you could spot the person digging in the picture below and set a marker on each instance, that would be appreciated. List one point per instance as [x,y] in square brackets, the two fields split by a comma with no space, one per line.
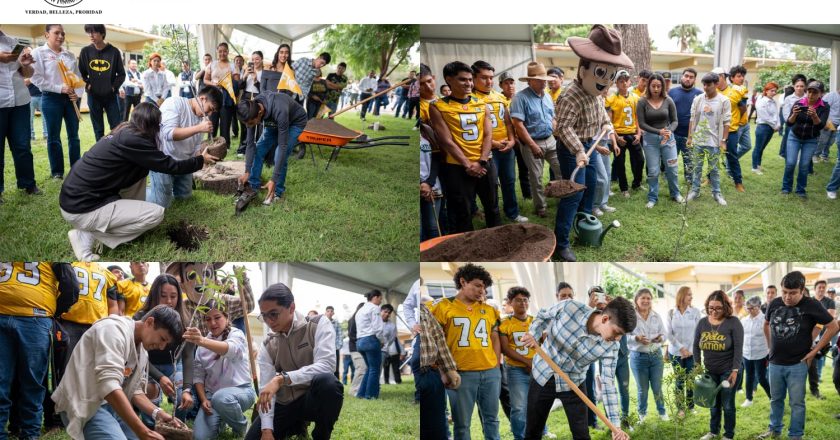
[580,116]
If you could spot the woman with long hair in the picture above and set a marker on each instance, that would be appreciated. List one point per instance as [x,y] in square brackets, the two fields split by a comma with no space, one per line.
[103,197]
[682,321]
[767,122]
[645,343]
[657,115]
[272,75]
[807,118]
[718,342]
[222,375]
[369,341]
[163,366]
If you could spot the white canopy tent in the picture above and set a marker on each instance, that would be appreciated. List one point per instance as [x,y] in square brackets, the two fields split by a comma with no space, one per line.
[210,35]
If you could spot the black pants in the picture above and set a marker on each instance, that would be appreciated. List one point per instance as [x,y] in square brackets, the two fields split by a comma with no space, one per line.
[540,399]
[461,192]
[522,169]
[337,362]
[321,404]
[637,163]
[222,121]
[412,107]
[393,362]
[365,106]
[813,378]
[130,101]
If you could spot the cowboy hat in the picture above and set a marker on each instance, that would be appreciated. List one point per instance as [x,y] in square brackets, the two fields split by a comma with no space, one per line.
[536,71]
[602,45]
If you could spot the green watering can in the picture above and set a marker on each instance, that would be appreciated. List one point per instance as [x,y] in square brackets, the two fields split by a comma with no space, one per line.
[705,390]
[589,230]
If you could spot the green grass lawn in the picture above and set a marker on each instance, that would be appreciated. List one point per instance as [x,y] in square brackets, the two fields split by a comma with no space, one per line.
[758,225]
[394,416]
[363,209]
[750,422]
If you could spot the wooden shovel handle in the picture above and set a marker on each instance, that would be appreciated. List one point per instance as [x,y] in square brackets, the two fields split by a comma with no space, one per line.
[370,97]
[575,388]
[589,153]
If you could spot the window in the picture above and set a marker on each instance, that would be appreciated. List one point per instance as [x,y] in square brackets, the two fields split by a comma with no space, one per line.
[447,289]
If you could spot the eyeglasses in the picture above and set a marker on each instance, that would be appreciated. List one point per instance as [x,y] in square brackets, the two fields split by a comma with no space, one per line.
[521,300]
[715,309]
[270,316]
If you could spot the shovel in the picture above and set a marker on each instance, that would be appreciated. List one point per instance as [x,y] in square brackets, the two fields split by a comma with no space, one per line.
[574,388]
[566,188]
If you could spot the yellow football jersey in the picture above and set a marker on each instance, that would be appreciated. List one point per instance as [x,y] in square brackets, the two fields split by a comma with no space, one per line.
[514,329]
[135,295]
[424,110]
[94,283]
[735,93]
[466,123]
[623,112]
[638,92]
[28,289]
[498,110]
[554,94]
[468,331]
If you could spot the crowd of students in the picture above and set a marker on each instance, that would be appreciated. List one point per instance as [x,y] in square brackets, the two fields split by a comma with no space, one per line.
[472,354]
[477,139]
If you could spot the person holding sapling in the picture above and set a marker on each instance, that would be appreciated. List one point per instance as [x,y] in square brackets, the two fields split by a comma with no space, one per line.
[718,343]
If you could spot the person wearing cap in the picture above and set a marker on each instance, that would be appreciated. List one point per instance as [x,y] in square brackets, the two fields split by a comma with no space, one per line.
[155,84]
[532,113]
[503,138]
[555,86]
[707,134]
[767,122]
[658,119]
[621,106]
[463,128]
[679,330]
[580,117]
[738,127]
[683,97]
[667,84]
[508,85]
[808,116]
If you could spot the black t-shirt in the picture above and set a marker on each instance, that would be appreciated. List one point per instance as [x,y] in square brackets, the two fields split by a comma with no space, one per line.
[791,327]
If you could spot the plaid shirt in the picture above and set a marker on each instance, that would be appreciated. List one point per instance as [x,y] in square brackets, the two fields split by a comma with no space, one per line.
[571,346]
[579,115]
[433,349]
[305,73]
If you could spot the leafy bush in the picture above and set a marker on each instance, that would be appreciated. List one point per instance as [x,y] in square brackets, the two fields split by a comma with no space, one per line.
[783,73]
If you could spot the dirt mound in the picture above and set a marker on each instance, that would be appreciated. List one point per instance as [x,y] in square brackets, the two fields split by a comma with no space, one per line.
[187,236]
[520,242]
[329,127]
[562,188]
[173,432]
[217,147]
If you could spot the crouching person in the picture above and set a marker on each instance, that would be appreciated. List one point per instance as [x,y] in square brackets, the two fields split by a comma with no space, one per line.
[110,363]
[296,362]
[222,378]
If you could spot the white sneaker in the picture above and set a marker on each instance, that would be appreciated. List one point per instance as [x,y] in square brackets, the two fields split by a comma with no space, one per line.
[708,436]
[664,417]
[626,194]
[679,199]
[831,194]
[521,219]
[597,212]
[757,171]
[642,418]
[82,244]
[747,404]
[612,193]
[719,198]
[607,208]
[693,195]
[650,205]
[414,128]
[549,434]
[815,159]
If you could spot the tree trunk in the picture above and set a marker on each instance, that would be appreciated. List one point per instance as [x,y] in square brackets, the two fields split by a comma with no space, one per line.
[635,41]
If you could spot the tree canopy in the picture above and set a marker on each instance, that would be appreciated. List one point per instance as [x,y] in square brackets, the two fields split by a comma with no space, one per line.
[686,34]
[366,47]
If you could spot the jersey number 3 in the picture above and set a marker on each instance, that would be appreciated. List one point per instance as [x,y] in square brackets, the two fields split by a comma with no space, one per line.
[32,278]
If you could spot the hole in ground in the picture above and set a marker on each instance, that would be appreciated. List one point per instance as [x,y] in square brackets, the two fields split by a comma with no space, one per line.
[186,236]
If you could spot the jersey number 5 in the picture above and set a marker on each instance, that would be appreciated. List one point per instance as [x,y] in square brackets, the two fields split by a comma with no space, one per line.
[517,340]
[480,331]
[469,124]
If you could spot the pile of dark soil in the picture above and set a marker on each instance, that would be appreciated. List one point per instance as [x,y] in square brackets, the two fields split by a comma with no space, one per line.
[174,432]
[217,147]
[563,188]
[187,236]
[330,128]
[519,242]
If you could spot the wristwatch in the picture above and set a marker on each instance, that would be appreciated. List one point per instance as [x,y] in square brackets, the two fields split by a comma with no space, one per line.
[155,413]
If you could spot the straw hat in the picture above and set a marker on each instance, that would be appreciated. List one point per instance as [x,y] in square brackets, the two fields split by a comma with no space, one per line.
[602,46]
[536,71]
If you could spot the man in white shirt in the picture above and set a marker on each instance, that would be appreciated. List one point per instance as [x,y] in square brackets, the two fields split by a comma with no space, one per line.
[132,89]
[367,86]
[293,395]
[391,349]
[183,123]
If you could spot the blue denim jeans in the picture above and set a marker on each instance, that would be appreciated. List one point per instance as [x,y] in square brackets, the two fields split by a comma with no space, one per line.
[105,425]
[24,359]
[477,388]
[165,187]
[505,166]
[756,373]
[228,407]
[14,125]
[724,406]
[428,219]
[57,107]
[798,151]
[687,364]
[168,370]
[655,153]
[647,370]
[827,139]
[567,207]
[518,381]
[111,109]
[602,178]
[763,134]
[712,156]
[269,140]
[349,369]
[687,155]
[744,141]
[371,350]
[788,379]
[35,104]
[591,181]
[432,397]
[834,181]
[622,375]
[732,161]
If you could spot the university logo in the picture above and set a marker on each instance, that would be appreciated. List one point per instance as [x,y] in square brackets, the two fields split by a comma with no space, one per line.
[63,3]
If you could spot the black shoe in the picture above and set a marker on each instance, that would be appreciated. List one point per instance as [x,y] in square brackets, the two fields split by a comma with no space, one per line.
[564,254]
[818,396]
[302,153]
[245,199]
[34,191]
[837,416]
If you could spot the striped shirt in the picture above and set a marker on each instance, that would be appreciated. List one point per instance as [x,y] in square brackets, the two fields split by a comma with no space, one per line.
[579,115]
[305,73]
[573,348]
